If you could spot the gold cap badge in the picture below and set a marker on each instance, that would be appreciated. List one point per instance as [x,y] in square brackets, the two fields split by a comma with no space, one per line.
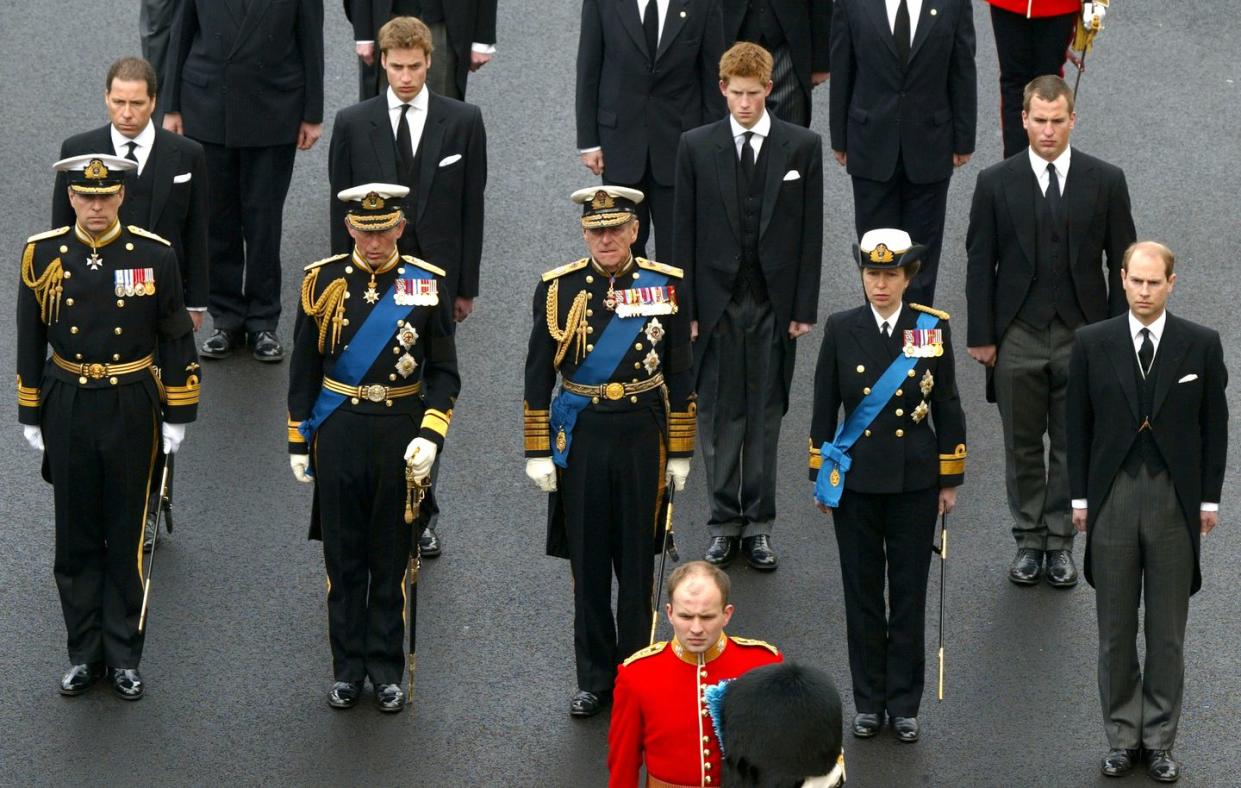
[95,171]
[602,200]
[372,202]
[881,254]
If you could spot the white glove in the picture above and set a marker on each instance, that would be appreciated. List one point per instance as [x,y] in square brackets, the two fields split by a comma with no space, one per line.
[299,463]
[34,436]
[542,471]
[420,454]
[678,472]
[1092,15]
[173,435]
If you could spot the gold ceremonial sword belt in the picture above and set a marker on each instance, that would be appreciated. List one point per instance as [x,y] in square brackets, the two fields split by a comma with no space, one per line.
[613,391]
[95,371]
[373,392]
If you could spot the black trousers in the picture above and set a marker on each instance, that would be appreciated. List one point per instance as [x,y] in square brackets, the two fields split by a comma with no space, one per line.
[917,208]
[101,446]
[887,650]
[656,208]
[743,386]
[1027,48]
[611,493]
[248,188]
[360,473]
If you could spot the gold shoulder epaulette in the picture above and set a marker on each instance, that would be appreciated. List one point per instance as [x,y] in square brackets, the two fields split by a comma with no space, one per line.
[325,261]
[435,269]
[136,230]
[649,651]
[651,265]
[753,642]
[567,268]
[930,310]
[48,234]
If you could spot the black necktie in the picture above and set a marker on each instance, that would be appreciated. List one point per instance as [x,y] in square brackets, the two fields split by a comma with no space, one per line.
[405,144]
[1146,353]
[1053,192]
[887,332]
[650,26]
[131,155]
[900,31]
[747,158]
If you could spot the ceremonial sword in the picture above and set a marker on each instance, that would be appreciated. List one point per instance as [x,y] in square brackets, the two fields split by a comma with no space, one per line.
[670,548]
[146,586]
[415,492]
[942,551]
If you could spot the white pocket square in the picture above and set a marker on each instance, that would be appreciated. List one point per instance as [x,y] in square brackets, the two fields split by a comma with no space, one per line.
[1189,377]
[792,175]
[453,159]
[183,177]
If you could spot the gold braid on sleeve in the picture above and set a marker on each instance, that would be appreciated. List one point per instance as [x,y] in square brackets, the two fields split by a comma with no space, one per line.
[330,301]
[47,287]
[575,323]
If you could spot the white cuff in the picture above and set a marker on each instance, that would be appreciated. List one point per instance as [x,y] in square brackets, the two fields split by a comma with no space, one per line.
[483,49]
[1078,503]
[1209,507]
[363,42]
[583,151]
[196,309]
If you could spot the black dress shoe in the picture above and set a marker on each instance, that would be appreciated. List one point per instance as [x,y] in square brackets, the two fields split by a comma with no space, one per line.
[266,346]
[1027,567]
[1061,571]
[126,683]
[758,553]
[906,729]
[1162,767]
[344,694]
[1118,763]
[429,544]
[390,698]
[866,725]
[722,550]
[222,343]
[80,677]
[587,704]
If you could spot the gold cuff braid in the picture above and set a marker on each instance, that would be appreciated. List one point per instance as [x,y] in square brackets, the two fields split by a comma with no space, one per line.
[816,457]
[537,429]
[953,464]
[683,429]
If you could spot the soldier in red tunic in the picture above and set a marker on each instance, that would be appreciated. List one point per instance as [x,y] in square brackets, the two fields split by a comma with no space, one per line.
[659,712]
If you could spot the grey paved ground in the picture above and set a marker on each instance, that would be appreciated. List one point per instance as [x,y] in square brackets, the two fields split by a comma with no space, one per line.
[237,659]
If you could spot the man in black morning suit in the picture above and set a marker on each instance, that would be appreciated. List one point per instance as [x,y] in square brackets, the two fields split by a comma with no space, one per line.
[749,236]
[463,33]
[904,105]
[1035,274]
[646,71]
[795,32]
[438,149]
[1148,441]
[245,79]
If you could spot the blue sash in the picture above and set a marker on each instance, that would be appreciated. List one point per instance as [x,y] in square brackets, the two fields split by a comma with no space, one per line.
[830,482]
[596,370]
[359,355]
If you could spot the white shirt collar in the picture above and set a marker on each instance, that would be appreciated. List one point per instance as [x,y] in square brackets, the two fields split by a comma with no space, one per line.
[891,321]
[761,129]
[419,101]
[1156,328]
[1039,164]
[145,138]
[915,11]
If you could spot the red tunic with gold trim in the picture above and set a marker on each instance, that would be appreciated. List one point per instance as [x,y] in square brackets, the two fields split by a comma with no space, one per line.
[659,712]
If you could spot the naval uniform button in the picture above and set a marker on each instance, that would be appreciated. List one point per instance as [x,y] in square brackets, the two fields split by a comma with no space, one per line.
[637,274]
[899,412]
[637,345]
[120,302]
[400,323]
[346,294]
[388,403]
[349,269]
[704,712]
[68,274]
[396,351]
[116,356]
[77,356]
[594,400]
[392,376]
[900,392]
[707,779]
[112,380]
[129,247]
[590,329]
[590,313]
[707,753]
[401,270]
[82,381]
[353,400]
[867,433]
[344,321]
[118,331]
[912,373]
[702,673]
[590,296]
[590,280]
[861,368]
[637,365]
[64,249]
[73,329]
[634,400]
[707,765]
[69,302]
[900,433]
[706,739]
[589,348]
[635,380]
[866,391]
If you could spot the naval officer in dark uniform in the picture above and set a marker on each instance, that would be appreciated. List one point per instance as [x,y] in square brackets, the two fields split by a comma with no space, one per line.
[123,378]
[373,378]
[620,428]
[886,473]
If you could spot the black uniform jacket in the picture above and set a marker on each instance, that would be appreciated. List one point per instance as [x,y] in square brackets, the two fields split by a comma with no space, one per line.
[469,22]
[1002,241]
[245,73]
[1189,421]
[921,114]
[447,220]
[899,451]
[636,110]
[708,229]
[421,351]
[78,310]
[806,25]
[178,205]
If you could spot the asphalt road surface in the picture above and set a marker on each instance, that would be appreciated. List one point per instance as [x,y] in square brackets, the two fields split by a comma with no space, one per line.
[237,660]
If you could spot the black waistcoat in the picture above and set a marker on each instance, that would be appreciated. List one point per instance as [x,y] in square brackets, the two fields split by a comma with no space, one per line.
[1051,293]
[1144,450]
[750,200]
